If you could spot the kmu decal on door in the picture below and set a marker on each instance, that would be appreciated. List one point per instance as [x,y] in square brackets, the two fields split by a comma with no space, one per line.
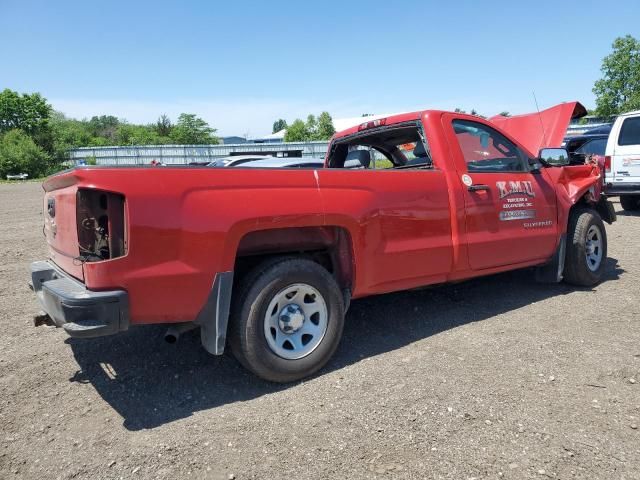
[517,200]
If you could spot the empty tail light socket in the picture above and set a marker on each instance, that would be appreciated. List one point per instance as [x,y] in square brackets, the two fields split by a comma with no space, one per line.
[101,225]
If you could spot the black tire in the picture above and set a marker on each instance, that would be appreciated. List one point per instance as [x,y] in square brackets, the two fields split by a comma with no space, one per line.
[630,203]
[576,269]
[255,292]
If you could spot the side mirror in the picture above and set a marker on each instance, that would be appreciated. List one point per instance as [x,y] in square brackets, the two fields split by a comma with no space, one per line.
[557,157]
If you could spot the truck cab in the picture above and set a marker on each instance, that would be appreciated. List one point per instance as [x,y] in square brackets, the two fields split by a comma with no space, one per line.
[489,178]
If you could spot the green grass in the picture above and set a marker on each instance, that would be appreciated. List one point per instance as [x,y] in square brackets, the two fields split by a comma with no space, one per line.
[383,163]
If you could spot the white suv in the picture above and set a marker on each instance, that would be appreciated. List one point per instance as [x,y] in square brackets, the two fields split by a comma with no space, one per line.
[622,160]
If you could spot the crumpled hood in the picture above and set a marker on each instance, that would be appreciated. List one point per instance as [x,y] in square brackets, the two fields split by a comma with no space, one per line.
[539,130]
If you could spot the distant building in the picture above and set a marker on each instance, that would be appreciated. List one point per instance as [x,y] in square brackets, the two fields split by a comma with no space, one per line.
[233,140]
[592,120]
[277,137]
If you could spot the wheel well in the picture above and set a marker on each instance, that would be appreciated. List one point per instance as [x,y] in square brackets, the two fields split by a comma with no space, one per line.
[580,204]
[328,246]
[601,206]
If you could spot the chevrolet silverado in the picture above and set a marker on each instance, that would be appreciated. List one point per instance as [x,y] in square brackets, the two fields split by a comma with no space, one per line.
[266,261]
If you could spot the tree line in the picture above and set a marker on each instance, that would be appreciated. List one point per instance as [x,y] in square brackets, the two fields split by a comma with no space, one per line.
[35,139]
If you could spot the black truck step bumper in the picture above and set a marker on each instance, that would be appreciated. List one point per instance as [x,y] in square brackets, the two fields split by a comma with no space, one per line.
[82,313]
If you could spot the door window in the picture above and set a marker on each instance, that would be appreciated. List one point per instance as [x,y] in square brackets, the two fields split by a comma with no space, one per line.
[630,132]
[487,150]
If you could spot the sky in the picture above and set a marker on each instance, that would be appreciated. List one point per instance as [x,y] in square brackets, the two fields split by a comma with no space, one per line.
[241,65]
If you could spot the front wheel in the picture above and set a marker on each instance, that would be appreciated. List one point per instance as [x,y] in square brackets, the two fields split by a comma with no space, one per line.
[287,319]
[586,248]
[630,202]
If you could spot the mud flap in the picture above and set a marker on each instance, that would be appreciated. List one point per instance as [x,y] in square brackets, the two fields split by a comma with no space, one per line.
[346,294]
[605,208]
[214,316]
[552,272]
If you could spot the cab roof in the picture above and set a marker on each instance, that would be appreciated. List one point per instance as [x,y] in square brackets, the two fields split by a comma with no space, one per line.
[545,128]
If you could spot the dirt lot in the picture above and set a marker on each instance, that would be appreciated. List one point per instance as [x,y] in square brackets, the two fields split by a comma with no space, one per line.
[494,378]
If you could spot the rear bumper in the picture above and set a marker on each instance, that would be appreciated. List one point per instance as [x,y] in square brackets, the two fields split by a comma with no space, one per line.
[82,313]
[615,189]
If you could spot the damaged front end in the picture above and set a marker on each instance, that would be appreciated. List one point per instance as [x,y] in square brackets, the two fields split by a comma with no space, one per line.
[574,184]
[580,184]
[537,130]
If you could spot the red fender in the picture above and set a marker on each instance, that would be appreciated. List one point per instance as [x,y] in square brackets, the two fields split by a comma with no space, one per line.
[572,184]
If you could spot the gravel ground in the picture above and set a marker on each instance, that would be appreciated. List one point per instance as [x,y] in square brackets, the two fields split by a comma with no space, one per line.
[495,378]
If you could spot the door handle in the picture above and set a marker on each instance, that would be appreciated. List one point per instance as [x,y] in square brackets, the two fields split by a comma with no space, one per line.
[477,187]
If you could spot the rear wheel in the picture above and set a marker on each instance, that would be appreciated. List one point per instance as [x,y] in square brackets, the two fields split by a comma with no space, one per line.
[287,319]
[586,248]
[630,202]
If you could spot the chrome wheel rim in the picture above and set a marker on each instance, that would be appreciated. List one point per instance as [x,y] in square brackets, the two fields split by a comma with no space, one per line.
[296,321]
[593,248]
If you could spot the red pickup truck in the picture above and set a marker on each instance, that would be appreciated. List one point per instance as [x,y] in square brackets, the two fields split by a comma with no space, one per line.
[266,261]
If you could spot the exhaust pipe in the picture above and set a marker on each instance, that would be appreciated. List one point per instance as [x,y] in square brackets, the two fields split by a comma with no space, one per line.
[173,332]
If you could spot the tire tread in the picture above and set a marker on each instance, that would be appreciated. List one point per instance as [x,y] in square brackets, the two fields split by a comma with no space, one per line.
[242,333]
[576,271]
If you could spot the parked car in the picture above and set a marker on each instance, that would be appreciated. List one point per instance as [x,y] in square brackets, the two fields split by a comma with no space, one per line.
[622,160]
[19,176]
[599,130]
[286,162]
[582,146]
[235,160]
[266,262]
[603,129]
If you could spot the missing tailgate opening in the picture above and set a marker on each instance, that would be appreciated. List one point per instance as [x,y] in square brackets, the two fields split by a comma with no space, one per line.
[101,225]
